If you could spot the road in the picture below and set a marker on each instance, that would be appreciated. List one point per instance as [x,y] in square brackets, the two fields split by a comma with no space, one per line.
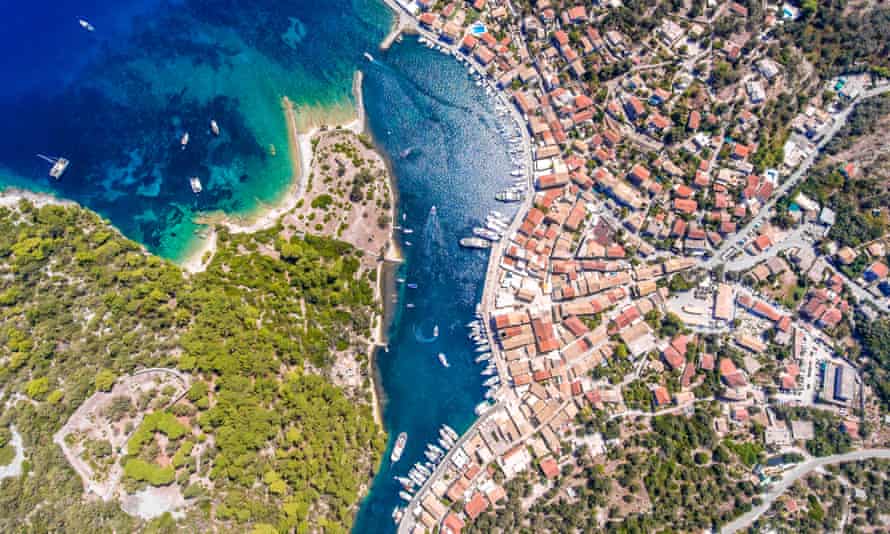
[793,476]
[795,178]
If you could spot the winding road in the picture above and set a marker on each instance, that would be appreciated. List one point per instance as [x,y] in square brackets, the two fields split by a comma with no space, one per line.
[793,476]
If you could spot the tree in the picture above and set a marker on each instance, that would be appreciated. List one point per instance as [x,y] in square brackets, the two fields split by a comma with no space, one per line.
[105,380]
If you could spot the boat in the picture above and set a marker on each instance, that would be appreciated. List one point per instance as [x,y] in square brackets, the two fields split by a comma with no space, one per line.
[450,431]
[397,514]
[482,357]
[485,233]
[435,449]
[184,140]
[436,331]
[483,348]
[412,286]
[407,243]
[407,231]
[214,127]
[488,371]
[495,226]
[405,481]
[509,195]
[423,470]
[443,360]
[516,173]
[433,457]
[491,381]
[416,477]
[405,495]
[491,393]
[446,436]
[445,444]
[369,57]
[475,242]
[409,305]
[86,25]
[398,448]
[196,185]
[482,407]
[59,165]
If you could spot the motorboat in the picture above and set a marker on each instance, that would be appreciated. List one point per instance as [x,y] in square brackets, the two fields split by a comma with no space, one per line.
[475,242]
[433,457]
[436,331]
[59,165]
[405,481]
[195,184]
[412,286]
[483,348]
[435,449]
[488,371]
[491,381]
[405,495]
[423,470]
[450,431]
[369,57]
[483,357]
[444,444]
[184,140]
[486,233]
[399,447]
[214,127]
[482,407]
[86,25]
[509,195]
[443,360]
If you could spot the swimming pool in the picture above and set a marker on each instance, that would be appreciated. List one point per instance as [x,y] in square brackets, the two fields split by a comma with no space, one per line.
[477,28]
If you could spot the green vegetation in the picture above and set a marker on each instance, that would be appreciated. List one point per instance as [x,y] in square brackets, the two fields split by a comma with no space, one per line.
[875,338]
[261,330]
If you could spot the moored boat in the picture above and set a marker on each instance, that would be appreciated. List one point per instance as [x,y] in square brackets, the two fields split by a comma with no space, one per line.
[482,357]
[450,431]
[475,242]
[405,495]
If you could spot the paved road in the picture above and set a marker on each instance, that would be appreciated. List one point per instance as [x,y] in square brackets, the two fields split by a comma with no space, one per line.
[795,178]
[793,476]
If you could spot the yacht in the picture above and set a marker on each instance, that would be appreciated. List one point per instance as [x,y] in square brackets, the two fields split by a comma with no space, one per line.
[398,448]
[443,360]
[435,449]
[405,495]
[214,127]
[482,407]
[195,182]
[445,444]
[450,431]
[483,357]
[423,470]
[474,242]
[86,25]
[483,348]
[509,195]
[492,381]
[406,482]
[431,456]
[488,371]
[485,233]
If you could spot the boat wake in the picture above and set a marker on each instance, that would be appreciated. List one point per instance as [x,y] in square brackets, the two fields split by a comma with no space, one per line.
[421,337]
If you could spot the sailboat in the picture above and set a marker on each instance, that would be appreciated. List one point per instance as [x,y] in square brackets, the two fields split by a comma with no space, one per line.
[59,165]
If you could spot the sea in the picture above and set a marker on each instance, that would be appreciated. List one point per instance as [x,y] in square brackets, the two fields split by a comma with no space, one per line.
[116,101]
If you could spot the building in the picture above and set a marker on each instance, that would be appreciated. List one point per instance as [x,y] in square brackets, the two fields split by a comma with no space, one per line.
[838,384]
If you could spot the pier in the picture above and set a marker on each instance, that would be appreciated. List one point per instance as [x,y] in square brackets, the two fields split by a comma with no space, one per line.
[405,23]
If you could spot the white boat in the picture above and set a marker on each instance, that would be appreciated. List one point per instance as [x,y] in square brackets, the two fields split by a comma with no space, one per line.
[443,360]
[407,231]
[184,140]
[59,165]
[433,457]
[485,233]
[482,357]
[482,407]
[495,226]
[405,481]
[405,495]
[474,242]
[196,185]
[435,449]
[398,448]
[416,477]
[492,381]
[483,348]
[397,514]
[214,127]
[423,470]
[86,25]
[444,444]
[491,393]
[516,173]
[436,331]
[488,371]
[509,195]
[450,431]
[369,57]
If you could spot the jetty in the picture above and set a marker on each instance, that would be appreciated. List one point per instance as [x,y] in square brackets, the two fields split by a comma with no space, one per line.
[404,23]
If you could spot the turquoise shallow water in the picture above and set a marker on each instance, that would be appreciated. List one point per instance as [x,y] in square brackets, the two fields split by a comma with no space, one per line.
[117,101]
[441,132]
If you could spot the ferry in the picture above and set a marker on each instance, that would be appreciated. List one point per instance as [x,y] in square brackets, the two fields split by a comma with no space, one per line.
[450,431]
[475,242]
[59,165]
[184,140]
[369,57]
[214,127]
[86,25]
[405,495]
[196,185]
[443,360]
[482,407]
[398,448]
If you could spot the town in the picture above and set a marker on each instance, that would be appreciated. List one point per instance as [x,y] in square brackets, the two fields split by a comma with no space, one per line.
[668,259]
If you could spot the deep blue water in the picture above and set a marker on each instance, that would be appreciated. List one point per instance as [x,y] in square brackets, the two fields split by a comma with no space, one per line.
[117,101]
[422,103]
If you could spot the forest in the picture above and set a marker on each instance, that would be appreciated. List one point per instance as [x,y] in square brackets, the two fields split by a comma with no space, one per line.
[257,331]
